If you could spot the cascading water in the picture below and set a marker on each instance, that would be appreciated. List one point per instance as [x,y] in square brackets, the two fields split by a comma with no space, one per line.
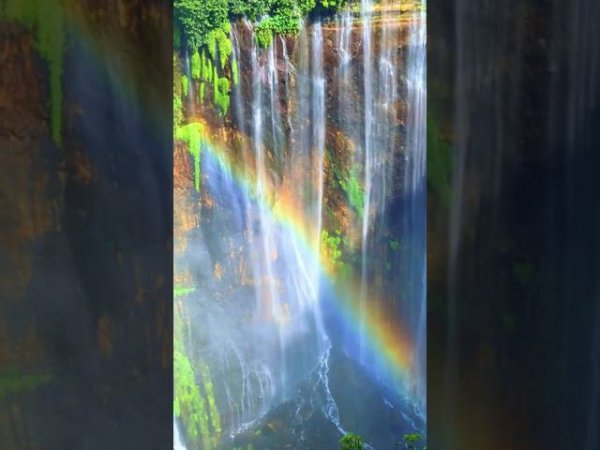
[414,224]
[309,183]
[177,442]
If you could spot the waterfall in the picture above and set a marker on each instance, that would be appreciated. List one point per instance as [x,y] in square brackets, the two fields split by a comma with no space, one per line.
[366,11]
[190,86]
[177,441]
[415,183]
[300,182]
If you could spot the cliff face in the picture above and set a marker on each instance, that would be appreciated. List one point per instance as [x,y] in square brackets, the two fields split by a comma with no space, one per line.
[85,336]
[293,160]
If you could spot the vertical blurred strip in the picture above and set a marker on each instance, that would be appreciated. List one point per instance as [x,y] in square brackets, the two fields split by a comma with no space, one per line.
[85,224]
[514,224]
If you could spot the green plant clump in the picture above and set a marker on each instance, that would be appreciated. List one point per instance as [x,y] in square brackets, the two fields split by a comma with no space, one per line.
[191,134]
[196,65]
[352,441]
[185,85]
[222,100]
[219,45]
[13,382]
[188,403]
[354,190]
[200,18]
[181,291]
[411,440]
[331,252]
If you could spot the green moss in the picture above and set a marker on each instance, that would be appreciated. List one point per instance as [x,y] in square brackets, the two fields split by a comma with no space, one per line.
[185,85]
[394,245]
[264,34]
[180,291]
[188,403]
[177,110]
[215,417]
[221,94]
[235,74]
[352,441]
[354,190]
[332,4]
[207,69]
[47,20]
[219,45]
[351,185]
[177,103]
[202,92]
[331,252]
[14,382]
[195,65]
[199,19]
[192,134]
[411,440]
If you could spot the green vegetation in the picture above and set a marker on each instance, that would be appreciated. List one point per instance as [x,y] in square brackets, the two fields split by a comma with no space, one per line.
[353,188]
[188,403]
[352,441]
[219,45]
[209,394]
[331,252]
[201,19]
[185,85]
[202,92]
[394,245]
[46,19]
[191,134]
[204,26]
[195,65]
[13,382]
[411,440]
[197,18]
[180,291]
[439,164]
[330,247]
[235,73]
[221,94]
[177,102]
[194,399]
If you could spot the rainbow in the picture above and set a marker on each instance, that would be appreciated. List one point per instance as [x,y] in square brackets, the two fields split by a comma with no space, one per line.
[385,339]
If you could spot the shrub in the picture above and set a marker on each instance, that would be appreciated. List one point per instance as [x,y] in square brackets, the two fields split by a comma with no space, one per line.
[352,441]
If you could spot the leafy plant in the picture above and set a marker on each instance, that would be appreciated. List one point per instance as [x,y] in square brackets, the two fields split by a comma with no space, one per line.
[411,440]
[14,382]
[352,441]
[394,245]
[354,190]
[330,248]
[196,65]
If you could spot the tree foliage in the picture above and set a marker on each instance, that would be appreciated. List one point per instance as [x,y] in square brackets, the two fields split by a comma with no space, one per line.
[199,18]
